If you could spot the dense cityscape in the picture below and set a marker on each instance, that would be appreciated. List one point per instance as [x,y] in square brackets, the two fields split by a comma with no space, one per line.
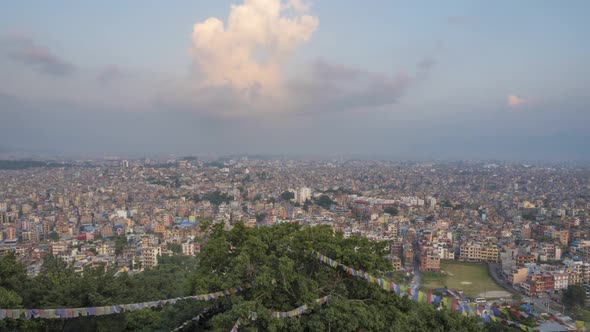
[529,222]
[294,165]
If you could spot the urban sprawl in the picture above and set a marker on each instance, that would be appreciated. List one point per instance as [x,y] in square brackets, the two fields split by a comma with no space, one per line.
[530,223]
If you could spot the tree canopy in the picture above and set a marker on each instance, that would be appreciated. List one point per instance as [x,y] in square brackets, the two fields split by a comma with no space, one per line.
[287,195]
[278,260]
[325,201]
[574,296]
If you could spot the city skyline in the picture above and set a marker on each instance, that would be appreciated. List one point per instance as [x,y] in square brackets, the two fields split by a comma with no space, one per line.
[419,80]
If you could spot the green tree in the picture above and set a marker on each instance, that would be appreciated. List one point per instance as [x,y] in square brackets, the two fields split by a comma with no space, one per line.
[53,236]
[306,205]
[392,210]
[260,217]
[279,260]
[120,244]
[175,248]
[217,197]
[9,299]
[574,296]
[143,320]
[325,201]
[12,272]
[287,195]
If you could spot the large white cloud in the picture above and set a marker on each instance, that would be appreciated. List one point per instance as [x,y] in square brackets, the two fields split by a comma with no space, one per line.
[237,68]
[248,52]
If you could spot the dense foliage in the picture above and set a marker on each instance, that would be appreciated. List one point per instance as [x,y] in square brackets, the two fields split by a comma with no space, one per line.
[325,201]
[277,259]
[574,296]
[287,195]
[58,286]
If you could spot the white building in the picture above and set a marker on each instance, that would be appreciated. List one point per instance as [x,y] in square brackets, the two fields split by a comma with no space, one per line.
[188,249]
[561,280]
[149,257]
[302,195]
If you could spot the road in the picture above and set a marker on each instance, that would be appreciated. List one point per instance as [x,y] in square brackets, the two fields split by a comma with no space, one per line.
[417,278]
[494,272]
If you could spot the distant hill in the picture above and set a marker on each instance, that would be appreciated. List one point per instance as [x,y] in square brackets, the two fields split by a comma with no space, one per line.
[24,164]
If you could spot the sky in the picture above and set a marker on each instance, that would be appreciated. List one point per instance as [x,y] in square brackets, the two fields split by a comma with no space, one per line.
[401,79]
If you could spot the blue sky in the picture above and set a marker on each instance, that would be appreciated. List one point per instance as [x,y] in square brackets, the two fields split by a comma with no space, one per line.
[490,79]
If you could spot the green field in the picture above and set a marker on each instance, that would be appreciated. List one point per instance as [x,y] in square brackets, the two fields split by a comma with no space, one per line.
[471,278]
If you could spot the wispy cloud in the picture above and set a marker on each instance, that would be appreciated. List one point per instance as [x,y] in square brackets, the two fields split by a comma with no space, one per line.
[109,73]
[515,101]
[329,87]
[22,49]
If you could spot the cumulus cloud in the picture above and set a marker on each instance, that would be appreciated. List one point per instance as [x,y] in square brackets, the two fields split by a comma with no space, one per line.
[237,68]
[300,6]
[515,101]
[250,49]
[22,49]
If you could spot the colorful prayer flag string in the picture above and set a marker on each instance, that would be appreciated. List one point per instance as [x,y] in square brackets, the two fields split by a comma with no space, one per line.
[67,313]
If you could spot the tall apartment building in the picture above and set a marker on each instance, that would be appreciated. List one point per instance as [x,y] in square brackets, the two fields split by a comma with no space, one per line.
[518,275]
[188,249]
[302,195]
[11,234]
[443,251]
[396,262]
[408,256]
[578,272]
[563,236]
[149,257]
[561,280]
[429,260]
[523,259]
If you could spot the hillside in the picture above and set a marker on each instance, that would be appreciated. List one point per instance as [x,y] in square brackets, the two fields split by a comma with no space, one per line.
[277,260]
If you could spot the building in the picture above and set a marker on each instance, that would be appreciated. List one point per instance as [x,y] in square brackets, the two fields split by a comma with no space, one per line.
[396,247]
[58,248]
[408,256]
[105,250]
[526,232]
[429,260]
[302,195]
[563,236]
[478,252]
[561,280]
[10,234]
[396,262]
[149,257]
[443,251]
[523,259]
[188,249]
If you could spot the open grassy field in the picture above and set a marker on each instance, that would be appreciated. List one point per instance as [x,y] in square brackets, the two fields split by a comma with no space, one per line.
[471,278]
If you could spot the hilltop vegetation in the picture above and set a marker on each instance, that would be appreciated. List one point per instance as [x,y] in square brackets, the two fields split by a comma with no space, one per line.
[25,164]
[276,259]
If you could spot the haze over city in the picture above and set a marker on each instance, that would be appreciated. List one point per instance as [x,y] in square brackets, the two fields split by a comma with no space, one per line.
[459,79]
[295,165]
